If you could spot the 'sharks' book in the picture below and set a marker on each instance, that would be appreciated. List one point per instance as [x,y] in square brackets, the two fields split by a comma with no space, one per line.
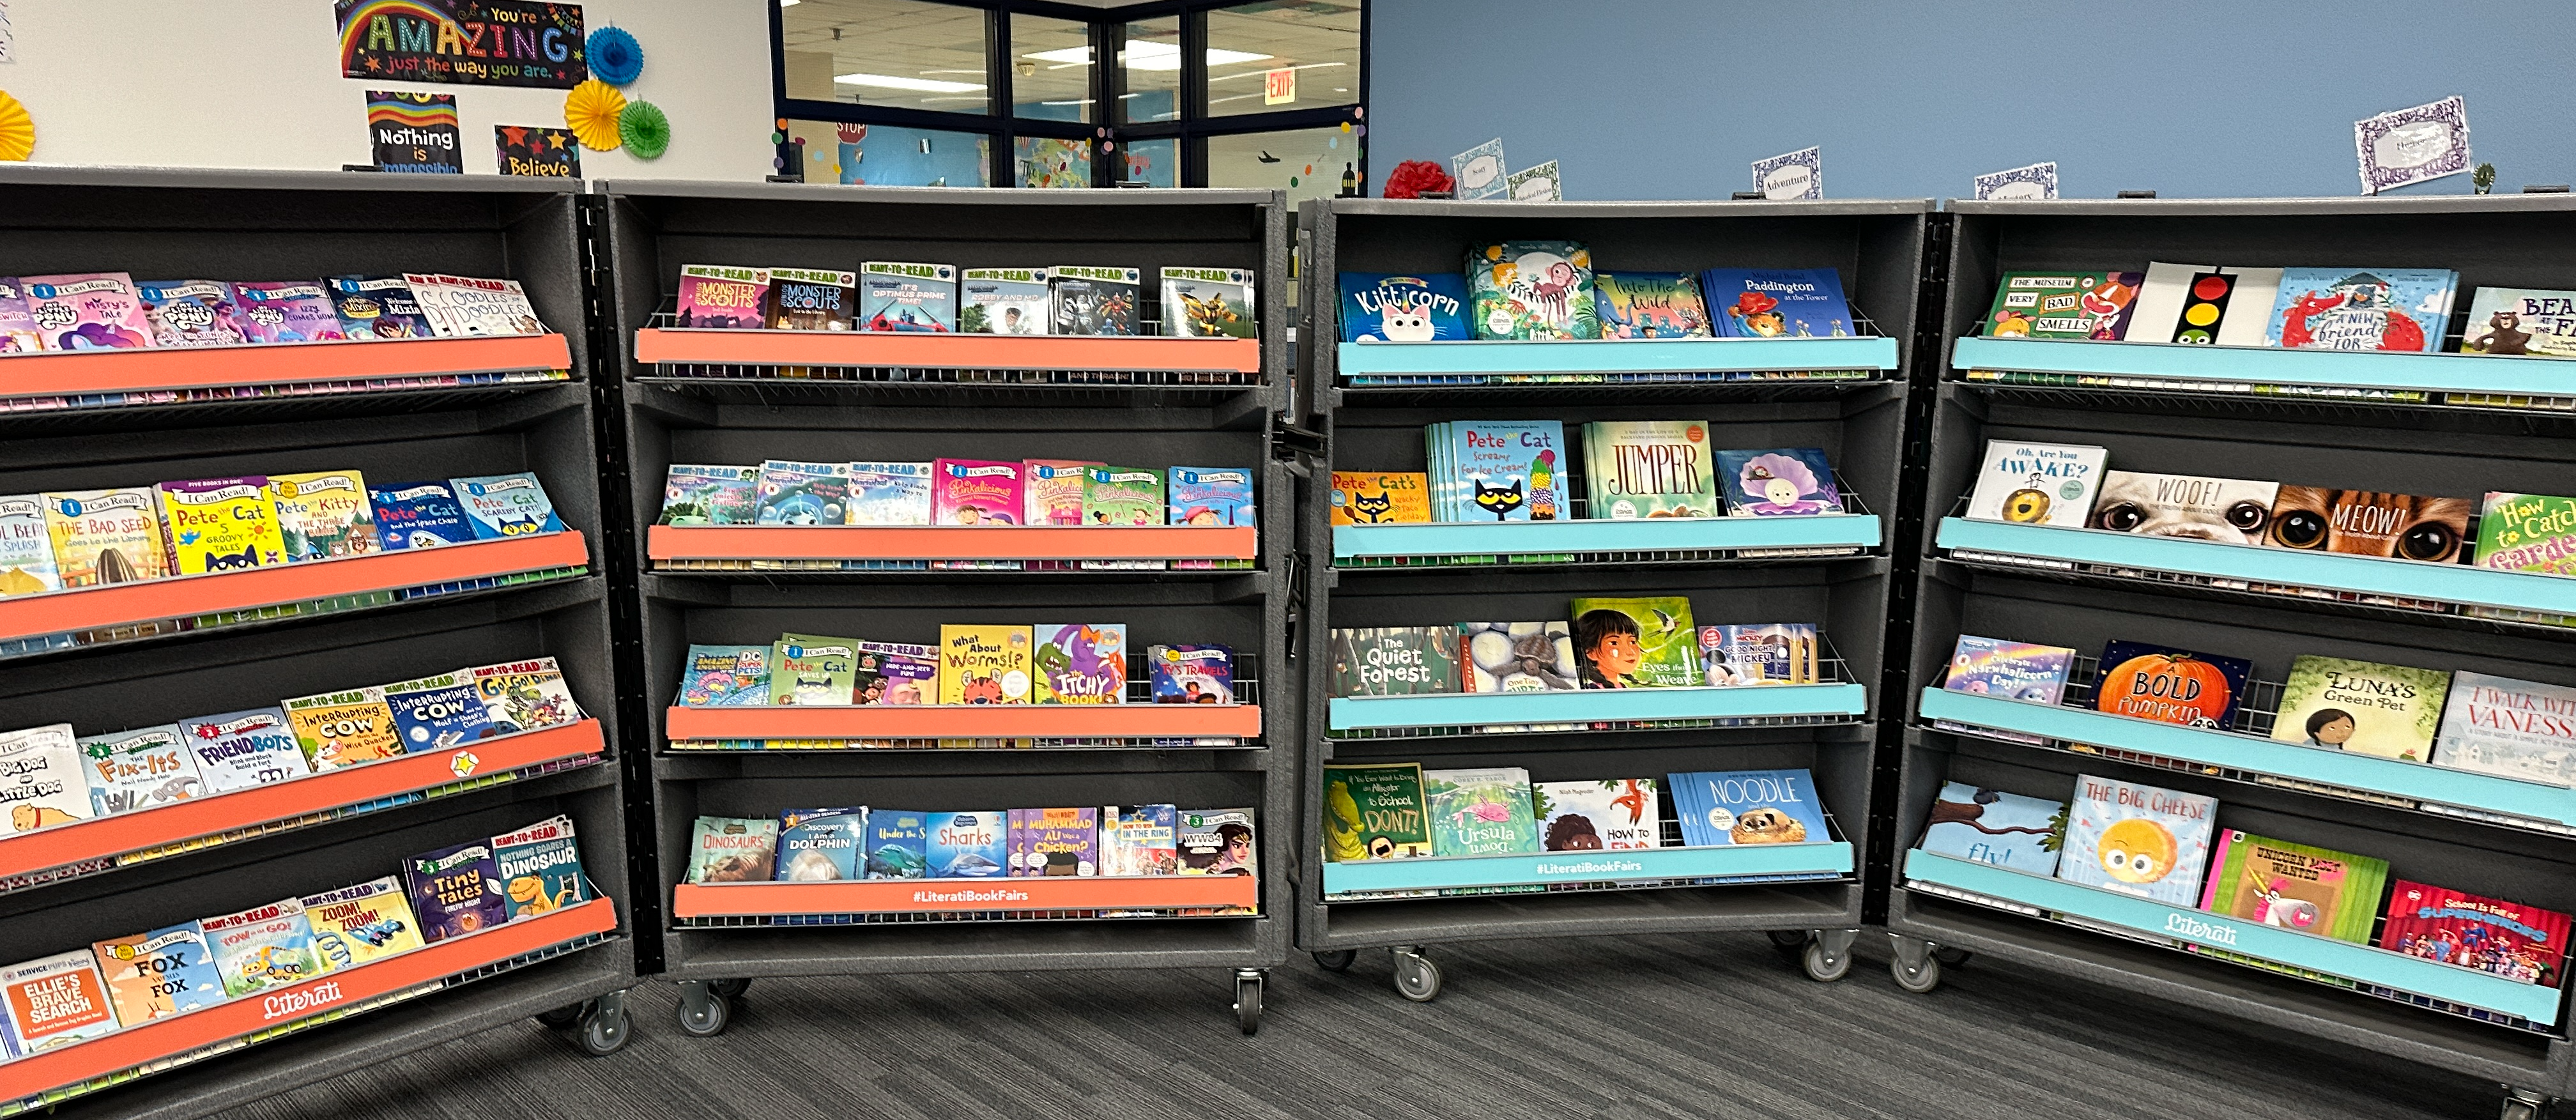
[2138,839]
[1992,826]
[971,845]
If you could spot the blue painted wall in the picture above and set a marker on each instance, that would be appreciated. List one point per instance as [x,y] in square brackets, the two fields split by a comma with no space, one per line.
[1675,98]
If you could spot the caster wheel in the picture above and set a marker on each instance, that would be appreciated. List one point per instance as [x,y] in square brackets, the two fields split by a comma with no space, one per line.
[1823,967]
[604,1032]
[2523,1104]
[1247,1003]
[1790,939]
[562,1017]
[1416,978]
[1921,978]
[729,989]
[1951,958]
[704,1018]
[1336,960]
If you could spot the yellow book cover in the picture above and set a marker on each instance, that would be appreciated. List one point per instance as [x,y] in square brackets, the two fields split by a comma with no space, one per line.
[984,664]
[105,536]
[220,525]
[344,728]
[323,515]
[1381,498]
[355,925]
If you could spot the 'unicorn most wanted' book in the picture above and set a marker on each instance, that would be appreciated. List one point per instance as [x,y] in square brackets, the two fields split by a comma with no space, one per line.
[2137,839]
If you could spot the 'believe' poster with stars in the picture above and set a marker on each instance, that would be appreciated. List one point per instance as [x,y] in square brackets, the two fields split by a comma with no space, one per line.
[528,149]
[468,42]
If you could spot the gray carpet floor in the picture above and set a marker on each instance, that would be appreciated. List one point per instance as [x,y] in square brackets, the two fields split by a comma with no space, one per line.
[1646,1027]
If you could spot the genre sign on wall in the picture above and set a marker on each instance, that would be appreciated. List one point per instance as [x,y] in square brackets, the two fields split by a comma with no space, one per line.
[536,150]
[468,42]
[415,132]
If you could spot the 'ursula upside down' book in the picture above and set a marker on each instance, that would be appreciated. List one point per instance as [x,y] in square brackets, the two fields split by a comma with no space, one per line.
[1480,812]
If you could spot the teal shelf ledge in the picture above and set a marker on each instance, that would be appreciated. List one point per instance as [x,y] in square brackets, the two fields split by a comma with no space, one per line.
[1624,705]
[2467,987]
[2407,579]
[1629,864]
[1508,538]
[2342,369]
[1642,355]
[2370,773]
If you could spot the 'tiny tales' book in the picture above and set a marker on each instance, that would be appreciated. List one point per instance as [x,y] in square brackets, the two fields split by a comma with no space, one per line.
[1375,811]
[1992,826]
[1392,307]
[1636,643]
[358,924]
[1607,815]
[455,891]
[2192,507]
[732,849]
[2171,685]
[538,868]
[161,973]
[984,664]
[2295,886]
[2509,939]
[2391,711]
[140,769]
[2036,484]
[1749,807]
[1080,663]
[263,947]
[2137,839]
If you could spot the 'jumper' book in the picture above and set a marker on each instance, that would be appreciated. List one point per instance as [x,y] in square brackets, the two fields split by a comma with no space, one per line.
[189,312]
[1208,303]
[1516,657]
[1612,814]
[2137,839]
[1002,301]
[1779,482]
[1380,498]
[1392,307]
[378,307]
[455,891]
[324,515]
[439,712]
[1991,826]
[975,492]
[725,677]
[1531,289]
[803,493]
[1375,811]
[1139,840]
[1636,469]
[2171,685]
[2363,706]
[2510,939]
[220,525]
[970,845]
[1753,653]
[1051,491]
[1749,807]
[524,695]
[732,849]
[1636,643]
[820,845]
[2521,323]
[2013,670]
[538,868]
[2203,304]
[2362,309]
[984,664]
[805,299]
[895,673]
[2036,483]
[161,973]
[362,923]
[2193,507]
[912,298]
[27,560]
[1059,842]
[1777,302]
[286,311]
[1080,663]
[1395,660]
[889,494]
[43,777]
[2524,730]
[344,728]
[241,750]
[1191,674]
[2087,305]
[709,495]
[1092,300]
[1217,842]
[507,505]
[1480,812]
[1650,305]
[140,769]
[419,515]
[1122,496]
[2295,886]
[2369,523]
[88,311]
[263,947]
[105,536]
[806,670]
[898,845]
[723,297]
[1209,496]
[56,1001]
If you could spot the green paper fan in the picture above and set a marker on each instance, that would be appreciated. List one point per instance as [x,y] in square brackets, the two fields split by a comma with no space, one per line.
[644,128]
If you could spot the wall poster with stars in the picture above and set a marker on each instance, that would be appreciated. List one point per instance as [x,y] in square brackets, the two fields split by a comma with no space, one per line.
[467,42]
[527,149]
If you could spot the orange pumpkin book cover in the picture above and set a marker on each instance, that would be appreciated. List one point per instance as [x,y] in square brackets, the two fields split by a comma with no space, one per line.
[2171,685]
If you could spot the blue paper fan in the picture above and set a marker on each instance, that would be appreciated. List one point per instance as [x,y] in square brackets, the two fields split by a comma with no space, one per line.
[615,57]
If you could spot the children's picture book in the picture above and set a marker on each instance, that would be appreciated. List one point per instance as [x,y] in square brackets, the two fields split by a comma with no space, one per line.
[1092,300]
[1122,496]
[220,525]
[711,495]
[1516,657]
[2392,711]
[145,768]
[2013,670]
[1209,302]
[1777,302]
[2137,839]
[438,712]
[809,299]
[889,494]
[101,537]
[2362,309]
[1375,811]
[158,974]
[1058,842]
[1480,812]
[1395,660]
[455,891]
[241,750]
[803,493]
[912,298]
[1217,842]
[1996,827]
[985,664]
[56,1001]
[2168,685]
[189,312]
[725,677]
[1778,482]
[1508,470]
[507,505]
[87,311]
[2203,305]
[43,777]
[324,515]
[471,307]
[2370,523]
[820,845]
[1636,643]
[2509,939]
[1611,814]
[2516,533]
[1635,469]
[898,845]
[2295,886]
[970,845]
[1749,807]
[263,947]
[18,335]
[2036,484]
[1394,307]
[2521,323]
[286,311]
[27,561]
[1191,674]
[524,695]
[538,868]
[2193,507]
[1002,301]
[895,673]
[1759,653]
[975,492]
[807,670]
[1650,305]
[345,727]
[377,307]
[1532,289]
[732,849]
[2523,730]
[358,924]
[1080,662]
[1051,491]
[2087,305]
[1209,496]
[1139,840]
[722,297]
[419,515]
[1380,498]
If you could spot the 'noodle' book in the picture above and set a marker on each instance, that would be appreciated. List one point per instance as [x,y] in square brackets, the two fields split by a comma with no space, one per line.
[1081,663]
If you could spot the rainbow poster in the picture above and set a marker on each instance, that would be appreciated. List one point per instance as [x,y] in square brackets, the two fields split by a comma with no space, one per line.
[415,132]
[468,42]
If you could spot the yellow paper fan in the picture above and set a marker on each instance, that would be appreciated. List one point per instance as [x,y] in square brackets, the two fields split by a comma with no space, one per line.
[591,110]
[17,130]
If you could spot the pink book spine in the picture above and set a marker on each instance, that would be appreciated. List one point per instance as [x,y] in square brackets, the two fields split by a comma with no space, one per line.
[2217,867]
[975,492]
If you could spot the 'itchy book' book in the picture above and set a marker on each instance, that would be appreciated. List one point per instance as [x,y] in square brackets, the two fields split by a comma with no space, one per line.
[2137,839]
[1992,826]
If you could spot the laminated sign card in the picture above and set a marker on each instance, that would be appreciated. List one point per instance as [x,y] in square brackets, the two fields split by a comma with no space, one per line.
[1480,170]
[2021,184]
[2414,145]
[1799,174]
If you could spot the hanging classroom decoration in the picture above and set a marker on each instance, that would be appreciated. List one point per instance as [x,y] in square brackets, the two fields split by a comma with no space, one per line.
[591,110]
[17,130]
[646,130]
[615,57]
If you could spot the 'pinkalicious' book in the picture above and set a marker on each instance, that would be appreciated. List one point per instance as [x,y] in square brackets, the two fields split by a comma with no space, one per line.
[1395,307]
[1532,289]
[975,492]
[1209,496]
[2362,309]
[1051,491]
[18,335]
[1779,482]
[1128,496]
[2137,839]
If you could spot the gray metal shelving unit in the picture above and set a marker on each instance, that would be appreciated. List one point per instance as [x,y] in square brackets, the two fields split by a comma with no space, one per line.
[1878,248]
[2436,444]
[719,412]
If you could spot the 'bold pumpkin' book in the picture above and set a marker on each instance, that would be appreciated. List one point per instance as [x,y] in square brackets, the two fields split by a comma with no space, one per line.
[2171,685]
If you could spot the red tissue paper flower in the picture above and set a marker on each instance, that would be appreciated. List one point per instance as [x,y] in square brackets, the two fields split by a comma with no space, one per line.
[1414,176]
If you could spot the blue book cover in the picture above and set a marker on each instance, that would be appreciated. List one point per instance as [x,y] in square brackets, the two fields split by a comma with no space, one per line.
[435,713]
[804,493]
[1002,301]
[1777,482]
[1209,496]
[507,505]
[1191,674]
[1502,470]
[418,515]
[1749,807]
[725,677]
[1991,826]
[378,307]
[897,845]
[2138,839]
[2362,309]
[1394,307]
[967,845]
[889,494]
[539,867]
[1777,302]
[915,298]
[2012,670]
[1650,305]
[820,845]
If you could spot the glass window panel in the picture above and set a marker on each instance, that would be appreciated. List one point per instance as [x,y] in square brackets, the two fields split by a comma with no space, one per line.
[1283,54]
[892,156]
[1050,68]
[1155,163]
[1151,60]
[1306,162]
[903,53]
[1047,162]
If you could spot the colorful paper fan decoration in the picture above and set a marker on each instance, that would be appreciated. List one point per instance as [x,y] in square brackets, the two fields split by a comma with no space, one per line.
[646,130]
[615,57]
[17,129]
[591,111]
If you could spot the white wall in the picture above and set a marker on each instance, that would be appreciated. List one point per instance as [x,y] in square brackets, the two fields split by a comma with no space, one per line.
[256,83]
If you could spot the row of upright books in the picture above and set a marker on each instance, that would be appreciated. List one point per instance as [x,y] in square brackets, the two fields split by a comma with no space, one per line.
[862,842]
[906,297]
[111,311]
[1047,663]
[1610,643]
[1550,290]
[2406,309]
[1398,810]
[1520,470]
[957,492]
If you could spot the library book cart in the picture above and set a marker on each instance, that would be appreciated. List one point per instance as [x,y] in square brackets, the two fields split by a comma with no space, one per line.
[119,651]
[697,396]
[2437,426]
[1370,403]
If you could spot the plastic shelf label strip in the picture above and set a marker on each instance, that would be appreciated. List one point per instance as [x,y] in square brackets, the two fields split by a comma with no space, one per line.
[949,542]
[948,351]
[934,721]
[1649,355]
[109,371]
[1605,866]
[889,896]
[2355,369]
[1853,530]
[1624,705]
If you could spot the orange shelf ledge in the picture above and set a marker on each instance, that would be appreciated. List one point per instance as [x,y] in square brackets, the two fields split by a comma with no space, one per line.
[901,896]
[948,351]
[67,1066]
[117,604]
[880,721]
[110,371]
[951,542]
[97,837]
